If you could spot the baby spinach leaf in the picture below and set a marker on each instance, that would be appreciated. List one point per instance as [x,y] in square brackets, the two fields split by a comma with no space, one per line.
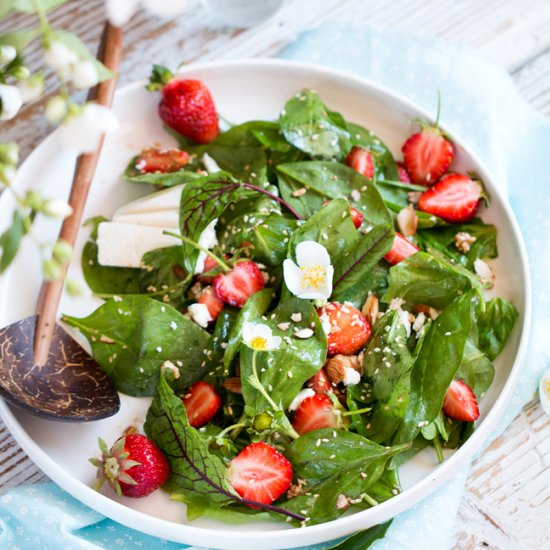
[363,539]
[243,163]
[331,226]
[437,363]
[320,454]
[245,134]
[387,357]
[234,515]
[216,371]
[387,486]
[283,372]
[443,240]
[133,336]
[495,325]
[193,469]
[424,279]
[351,273]
[308,124]
[254,308]
[331,180]
[476,369]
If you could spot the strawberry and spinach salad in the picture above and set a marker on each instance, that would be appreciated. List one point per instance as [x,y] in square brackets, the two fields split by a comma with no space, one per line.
[317,318]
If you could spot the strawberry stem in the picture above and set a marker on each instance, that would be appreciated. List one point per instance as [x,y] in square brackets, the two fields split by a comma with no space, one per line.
[274,197]
[191,242]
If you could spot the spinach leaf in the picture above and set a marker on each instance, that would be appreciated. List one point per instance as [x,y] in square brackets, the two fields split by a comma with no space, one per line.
[255,307]
[363,539]
[283,372]
[331,180]
[351,275]
[495,325]
[133,336]
[424,279]
[387,357]
[311,127]
[216,370]
[331,226]
[170,179]
[246,134]
[247,164]
[476,369]
[234,515]
[437,363]
[442,239]
[320,454]
[193,469]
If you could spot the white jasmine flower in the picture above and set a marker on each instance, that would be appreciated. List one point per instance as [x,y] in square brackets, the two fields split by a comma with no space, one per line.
[10,101]
[311,278]
[31,88]
[165,8]
[210,164]
[303,394]
[57,208]
[56,108]
[7,54]
[119,12]
[259,337]
[200,314]
[83,131]
[208,240]
[60,58]
[84,74]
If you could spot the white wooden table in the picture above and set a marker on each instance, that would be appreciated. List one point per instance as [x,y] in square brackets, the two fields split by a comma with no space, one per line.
[507,499]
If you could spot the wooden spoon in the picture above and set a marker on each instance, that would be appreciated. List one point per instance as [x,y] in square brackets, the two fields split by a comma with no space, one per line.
[60,380]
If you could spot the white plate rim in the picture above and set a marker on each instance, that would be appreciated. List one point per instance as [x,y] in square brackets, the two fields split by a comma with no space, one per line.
[190,534]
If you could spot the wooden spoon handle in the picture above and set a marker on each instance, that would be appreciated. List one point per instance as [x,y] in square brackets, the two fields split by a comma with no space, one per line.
[110,54]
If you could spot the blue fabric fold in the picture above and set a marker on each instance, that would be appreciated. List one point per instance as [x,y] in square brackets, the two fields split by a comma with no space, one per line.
[482,105]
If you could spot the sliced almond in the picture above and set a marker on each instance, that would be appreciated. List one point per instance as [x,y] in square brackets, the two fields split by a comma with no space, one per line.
[299,192]
[370,308]
[233,384]
[484,272]
[407,221]
[336,366]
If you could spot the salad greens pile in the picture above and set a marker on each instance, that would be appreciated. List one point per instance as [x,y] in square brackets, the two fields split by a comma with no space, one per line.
[433,323]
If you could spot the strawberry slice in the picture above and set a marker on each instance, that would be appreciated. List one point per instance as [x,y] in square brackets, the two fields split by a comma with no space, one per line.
[260,473]
[320,383]
[314,413]
[402,248]
[154,159]
[427,155]
[460,402]
[348,330]
[403,174]
[356,216]
[455,198]
[209,265]
[201,403]
[235,287]
[360,159]
[212,302]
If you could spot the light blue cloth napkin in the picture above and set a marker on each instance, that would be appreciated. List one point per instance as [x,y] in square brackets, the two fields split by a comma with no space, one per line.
[482,105]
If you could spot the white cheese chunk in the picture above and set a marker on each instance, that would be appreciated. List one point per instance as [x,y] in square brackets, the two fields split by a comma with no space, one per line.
[123,245]
[162,200]
[168,218]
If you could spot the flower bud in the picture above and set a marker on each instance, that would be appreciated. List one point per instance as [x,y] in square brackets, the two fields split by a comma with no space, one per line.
[84,75]
[31,87]
[74,288]
[10,101]
[7,54]
[7,174]
[57,208]
[35,200]
[262,422]
[9,153]
[56,108]
[60,58]
[51,269]
[62,252]
[21,73]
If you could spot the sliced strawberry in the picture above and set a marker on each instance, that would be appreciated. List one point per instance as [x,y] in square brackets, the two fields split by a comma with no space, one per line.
[402,248]
[260,473]
[403,174]
[460,402]
[209,265]
[360,159]
[348,330]
[314,413]
[201,403]
[154,159]
[455,198]
[212,302]
[235,287]
[320,383]
[356,216]
[427,156]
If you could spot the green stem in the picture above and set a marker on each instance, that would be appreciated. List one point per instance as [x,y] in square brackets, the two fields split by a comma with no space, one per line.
[370,500]
[217,259]
[358,411]
[438,449]
[238,427]
[403,185]
[230,428]
[44,23]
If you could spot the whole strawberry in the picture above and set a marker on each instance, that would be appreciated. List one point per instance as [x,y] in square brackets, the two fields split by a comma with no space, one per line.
[186,105]
[134,467]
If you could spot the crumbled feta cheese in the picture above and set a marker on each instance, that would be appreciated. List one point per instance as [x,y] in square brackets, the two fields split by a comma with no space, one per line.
[351,377]
[200,314]
[303,394]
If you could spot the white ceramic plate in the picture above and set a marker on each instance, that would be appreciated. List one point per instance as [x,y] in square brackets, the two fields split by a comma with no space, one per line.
[243,90]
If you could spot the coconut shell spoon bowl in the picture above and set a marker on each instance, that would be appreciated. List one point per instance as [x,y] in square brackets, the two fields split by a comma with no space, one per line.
[42,368]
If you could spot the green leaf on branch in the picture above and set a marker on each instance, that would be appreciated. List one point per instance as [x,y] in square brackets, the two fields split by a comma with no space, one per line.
[10,241]
[18,39]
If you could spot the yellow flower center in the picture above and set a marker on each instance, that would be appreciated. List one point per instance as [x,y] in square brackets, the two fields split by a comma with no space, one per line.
[314,277]
[258,343]
[548,388]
